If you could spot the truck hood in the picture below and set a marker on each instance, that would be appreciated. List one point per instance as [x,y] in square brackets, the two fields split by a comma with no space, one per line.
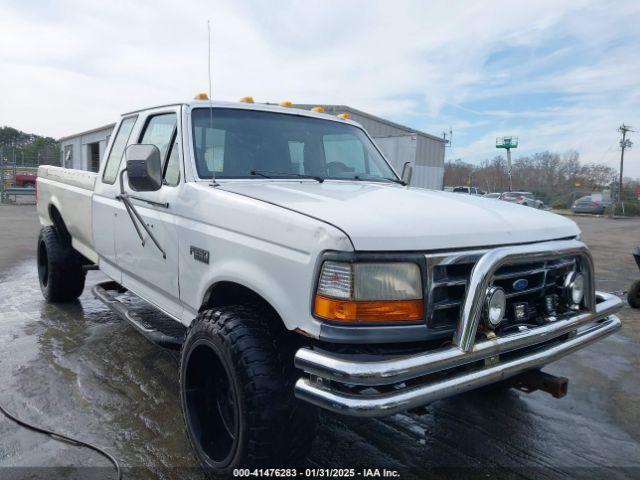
[392,217]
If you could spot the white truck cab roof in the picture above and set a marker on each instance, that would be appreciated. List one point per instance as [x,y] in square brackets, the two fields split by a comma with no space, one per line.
[263,107]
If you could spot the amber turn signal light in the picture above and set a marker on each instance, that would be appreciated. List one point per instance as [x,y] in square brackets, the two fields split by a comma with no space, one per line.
[352,311]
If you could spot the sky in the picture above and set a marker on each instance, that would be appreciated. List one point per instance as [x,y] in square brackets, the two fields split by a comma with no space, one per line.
[560,75]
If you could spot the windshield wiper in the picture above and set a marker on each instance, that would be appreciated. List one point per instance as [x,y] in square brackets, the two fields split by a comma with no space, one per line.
[380,179]
[268,173]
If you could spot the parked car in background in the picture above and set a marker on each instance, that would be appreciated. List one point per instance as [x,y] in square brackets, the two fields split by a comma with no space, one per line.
[522,198]
[588,204]
[469,190]
[24,180]
[492,195]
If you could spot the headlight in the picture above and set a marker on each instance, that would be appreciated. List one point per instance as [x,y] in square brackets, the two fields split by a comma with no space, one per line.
[574,287]
[369,292]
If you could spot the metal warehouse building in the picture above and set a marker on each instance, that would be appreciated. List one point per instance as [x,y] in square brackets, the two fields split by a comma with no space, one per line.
[400,144]
[85,150]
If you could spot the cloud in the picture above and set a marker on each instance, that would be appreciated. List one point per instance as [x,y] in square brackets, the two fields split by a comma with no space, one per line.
[71,65]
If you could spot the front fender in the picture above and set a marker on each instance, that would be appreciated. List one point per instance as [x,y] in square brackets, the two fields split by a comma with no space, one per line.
[249,276]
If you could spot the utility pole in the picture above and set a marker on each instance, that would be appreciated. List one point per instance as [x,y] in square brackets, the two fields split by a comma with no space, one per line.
[624,144]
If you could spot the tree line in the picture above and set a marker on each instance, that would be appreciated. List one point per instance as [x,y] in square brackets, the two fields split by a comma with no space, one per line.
[27,148]
[544,171]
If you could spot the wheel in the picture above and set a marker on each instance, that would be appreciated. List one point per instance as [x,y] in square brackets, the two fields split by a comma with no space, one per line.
[60,270]
[633,297]
[236,391]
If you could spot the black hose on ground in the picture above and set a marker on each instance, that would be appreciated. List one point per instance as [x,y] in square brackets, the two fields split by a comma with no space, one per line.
[64,438]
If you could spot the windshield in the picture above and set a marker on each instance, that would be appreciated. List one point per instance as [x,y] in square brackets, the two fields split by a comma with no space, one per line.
[246,143]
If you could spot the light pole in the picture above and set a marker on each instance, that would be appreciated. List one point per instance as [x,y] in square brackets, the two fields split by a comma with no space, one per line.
[507,143]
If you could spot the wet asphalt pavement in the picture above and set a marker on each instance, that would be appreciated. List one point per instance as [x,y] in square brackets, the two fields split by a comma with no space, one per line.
[80,370]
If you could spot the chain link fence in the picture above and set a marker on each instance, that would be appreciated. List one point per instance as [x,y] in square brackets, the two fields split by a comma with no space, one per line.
[18,177]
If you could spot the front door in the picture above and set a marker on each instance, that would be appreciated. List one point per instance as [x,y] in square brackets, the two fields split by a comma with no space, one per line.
[147,271]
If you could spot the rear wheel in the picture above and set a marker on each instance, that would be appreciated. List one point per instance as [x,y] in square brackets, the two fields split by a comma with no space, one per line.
[236,389]
[633,297]
[60,270]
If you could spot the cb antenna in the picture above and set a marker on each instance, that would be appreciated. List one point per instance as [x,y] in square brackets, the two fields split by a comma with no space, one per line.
[213,167]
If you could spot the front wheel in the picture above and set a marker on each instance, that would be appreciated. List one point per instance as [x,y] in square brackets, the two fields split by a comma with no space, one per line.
[633,297]
[236,391]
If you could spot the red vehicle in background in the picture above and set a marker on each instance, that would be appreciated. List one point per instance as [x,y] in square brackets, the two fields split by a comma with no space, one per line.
[24,180]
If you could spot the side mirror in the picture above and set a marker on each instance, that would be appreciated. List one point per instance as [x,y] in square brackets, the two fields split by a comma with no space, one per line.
[144,168]
[407,172]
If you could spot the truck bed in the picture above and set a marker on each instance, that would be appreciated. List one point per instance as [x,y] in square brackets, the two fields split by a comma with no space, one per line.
[68,192]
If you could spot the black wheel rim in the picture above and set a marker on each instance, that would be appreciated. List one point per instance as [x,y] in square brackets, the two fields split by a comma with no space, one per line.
[43,264]
[211,405]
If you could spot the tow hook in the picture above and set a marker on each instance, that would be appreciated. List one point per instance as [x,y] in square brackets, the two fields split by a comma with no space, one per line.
[537,380]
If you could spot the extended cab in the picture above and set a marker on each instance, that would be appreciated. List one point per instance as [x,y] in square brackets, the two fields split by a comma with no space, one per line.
[294,268]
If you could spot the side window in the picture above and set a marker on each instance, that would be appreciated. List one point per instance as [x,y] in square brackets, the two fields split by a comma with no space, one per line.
[117,150]
[172,168]
[161,132]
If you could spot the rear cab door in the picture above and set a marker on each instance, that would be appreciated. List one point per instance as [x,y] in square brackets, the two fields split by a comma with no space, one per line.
[105,205]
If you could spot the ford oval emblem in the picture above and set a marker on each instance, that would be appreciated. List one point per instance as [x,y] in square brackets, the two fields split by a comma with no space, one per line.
[520,284]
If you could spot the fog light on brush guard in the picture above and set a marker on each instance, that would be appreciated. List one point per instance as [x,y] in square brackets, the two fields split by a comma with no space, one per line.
[369,292]
[496,306]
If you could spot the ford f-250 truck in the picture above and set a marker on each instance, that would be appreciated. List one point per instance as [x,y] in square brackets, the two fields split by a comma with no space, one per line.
[294,268]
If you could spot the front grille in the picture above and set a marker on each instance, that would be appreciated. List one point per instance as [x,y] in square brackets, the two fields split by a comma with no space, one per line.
[449,274]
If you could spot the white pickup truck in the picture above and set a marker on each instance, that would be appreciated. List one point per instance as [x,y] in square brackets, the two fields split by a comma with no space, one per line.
[293,268]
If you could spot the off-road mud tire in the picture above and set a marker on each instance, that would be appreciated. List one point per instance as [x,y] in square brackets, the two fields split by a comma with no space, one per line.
[60,271]
[633,296]
[250,345]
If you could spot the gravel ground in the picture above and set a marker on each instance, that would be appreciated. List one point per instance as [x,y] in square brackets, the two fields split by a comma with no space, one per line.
[80,370]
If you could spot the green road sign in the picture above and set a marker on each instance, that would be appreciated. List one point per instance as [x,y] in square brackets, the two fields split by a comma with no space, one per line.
[507,142]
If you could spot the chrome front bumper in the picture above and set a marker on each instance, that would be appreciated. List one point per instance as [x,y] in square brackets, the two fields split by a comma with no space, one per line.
[330,379]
